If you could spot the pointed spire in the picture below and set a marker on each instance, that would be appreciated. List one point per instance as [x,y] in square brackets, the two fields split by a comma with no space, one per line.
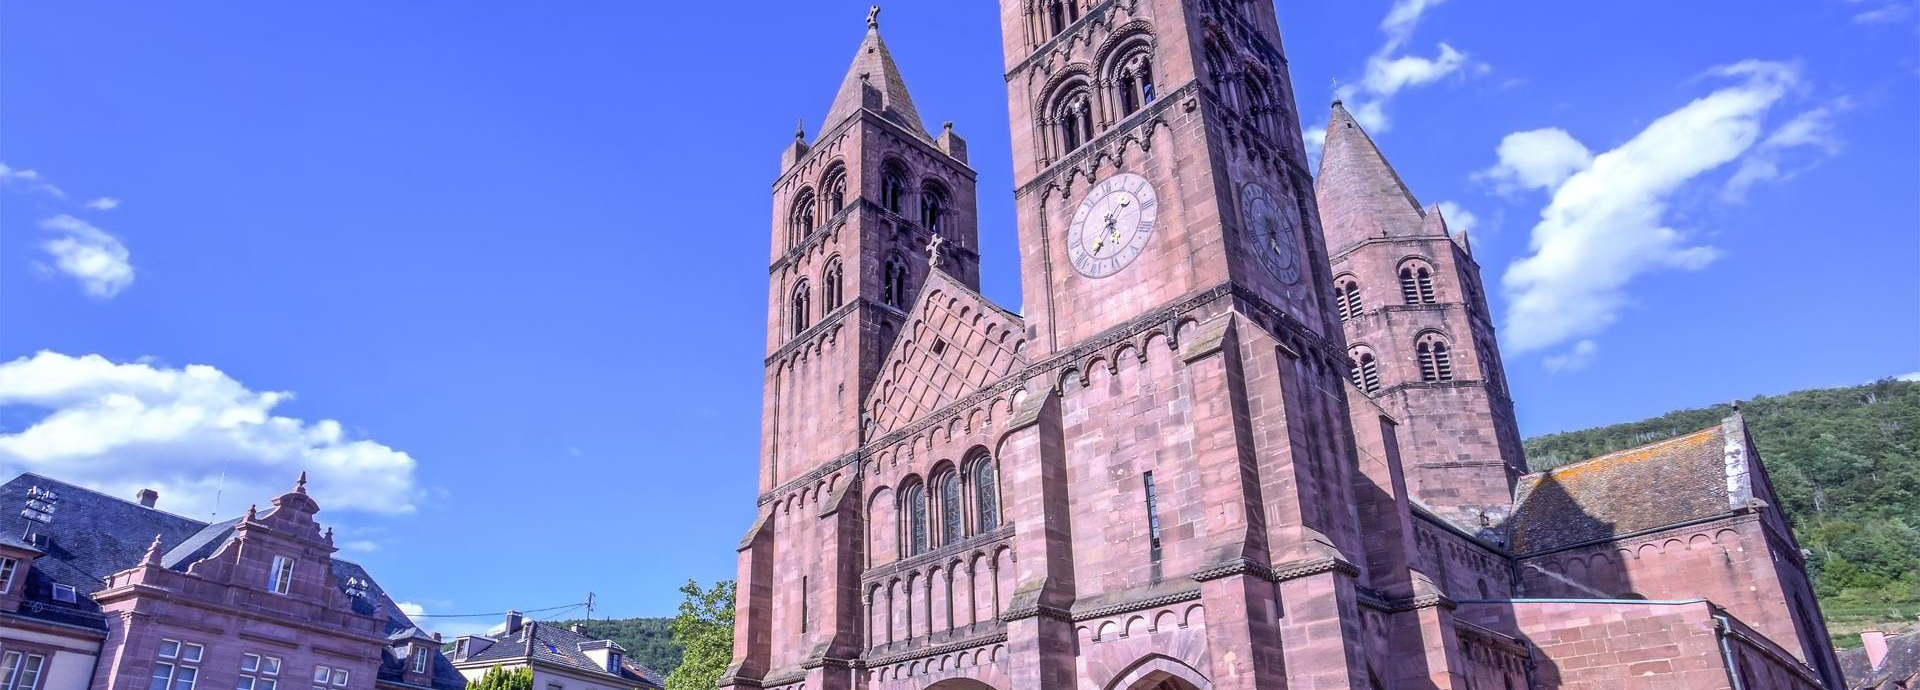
[873,68]
[1360,195]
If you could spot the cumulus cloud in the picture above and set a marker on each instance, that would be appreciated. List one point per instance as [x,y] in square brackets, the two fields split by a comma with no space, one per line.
[1459,219]
[1389,71]
[29,179]
[1915,376]
[105,203]
[1606,222]
[84,252]
[1793,148]
[1536,159]
[1574,359]
[201,438]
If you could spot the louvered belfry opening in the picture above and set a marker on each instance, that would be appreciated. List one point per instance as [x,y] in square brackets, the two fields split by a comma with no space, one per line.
[1436,362]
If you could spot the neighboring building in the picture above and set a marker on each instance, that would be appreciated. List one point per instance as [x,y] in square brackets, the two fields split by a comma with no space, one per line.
[1883,662]
[561,658]
[98,593]
[1223,444]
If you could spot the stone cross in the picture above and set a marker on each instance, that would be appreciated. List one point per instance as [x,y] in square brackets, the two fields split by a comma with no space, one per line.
[933,250]
[873,17]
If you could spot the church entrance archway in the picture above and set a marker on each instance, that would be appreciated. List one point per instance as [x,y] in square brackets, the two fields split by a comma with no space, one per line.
[960,684]
[1160,673]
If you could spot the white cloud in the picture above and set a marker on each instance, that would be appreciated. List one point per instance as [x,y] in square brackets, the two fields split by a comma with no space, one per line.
[105,203]
[1536,159]
[1574,359]
[1606,223]
[410,608]
[29,178]
[1915,376]
[89,255]
[361,546]
[1459,219]
[1386,76]
[1885,14]
[1388,71]
[193,433]
[449,627]
[1808,138]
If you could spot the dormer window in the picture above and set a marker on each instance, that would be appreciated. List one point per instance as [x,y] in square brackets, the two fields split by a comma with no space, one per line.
[419,659]
[66,594]
[280,579]
[613,662]
[7,568]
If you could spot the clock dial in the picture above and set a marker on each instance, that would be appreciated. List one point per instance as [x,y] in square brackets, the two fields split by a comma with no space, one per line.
[1274,231]
[1112,225]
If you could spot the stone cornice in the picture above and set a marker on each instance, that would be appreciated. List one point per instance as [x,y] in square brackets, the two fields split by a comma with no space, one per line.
[985,540]
[935,650]
[807,336]
[1137,605]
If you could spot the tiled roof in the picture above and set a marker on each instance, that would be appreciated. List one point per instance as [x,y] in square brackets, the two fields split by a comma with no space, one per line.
[954,342]
[1655,485]
[873,66]
[1901,668]
[557,645]
[93,535]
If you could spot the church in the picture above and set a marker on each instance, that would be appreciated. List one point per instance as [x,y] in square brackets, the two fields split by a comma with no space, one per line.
[1249,428]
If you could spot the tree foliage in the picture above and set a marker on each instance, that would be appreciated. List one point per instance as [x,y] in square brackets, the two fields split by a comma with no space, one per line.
[704,630]
[1846,465]
[648,641]
[498,678]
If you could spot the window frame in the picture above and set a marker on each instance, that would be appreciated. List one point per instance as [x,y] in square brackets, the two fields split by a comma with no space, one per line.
[280,578]
[9,566]
[13,668]
[264,674]
[71,593]
[986,494]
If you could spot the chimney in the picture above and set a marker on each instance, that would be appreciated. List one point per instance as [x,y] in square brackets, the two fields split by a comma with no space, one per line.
[148,497]
[580,628]
[513,622]
[1876,644]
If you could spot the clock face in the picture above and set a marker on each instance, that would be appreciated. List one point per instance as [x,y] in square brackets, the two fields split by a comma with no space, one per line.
[1112,225]
[1274,230]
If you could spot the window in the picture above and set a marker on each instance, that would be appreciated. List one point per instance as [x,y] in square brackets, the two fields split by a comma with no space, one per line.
[950,517]
[1259,107]
[916,513]
[1366,372]
[66,593]
[1153,517]
[613,659]
[800,311]
[280,580]
[1416,283]
[419,659]
[1436,362]
[1074,117]
[258,672]
[893,187]
[20,670]
[7,566]
[1135,82]
[834,190]
[933,207]
[803,220]
[1346,299]
[177,667]
[1217,71]
[1060,14]
[893,286]
[986,497]
[806,593]
[830,280]
[323,677]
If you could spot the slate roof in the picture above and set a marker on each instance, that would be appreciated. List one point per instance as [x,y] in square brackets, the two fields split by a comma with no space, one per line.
[1901,668]
[873,66]
[1656,485]
[1359,194]
[556,645]
[93,535]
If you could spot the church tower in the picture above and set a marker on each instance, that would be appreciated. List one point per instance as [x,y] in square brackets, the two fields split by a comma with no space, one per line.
[858,211]
[1418,329]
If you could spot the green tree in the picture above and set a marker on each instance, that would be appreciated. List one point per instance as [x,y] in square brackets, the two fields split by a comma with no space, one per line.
[704,629]
[497,678]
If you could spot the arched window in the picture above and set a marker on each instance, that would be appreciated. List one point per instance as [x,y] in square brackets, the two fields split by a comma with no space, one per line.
[1216,62]
[1366,372]
[1074,117]
[1134,79]
[915,513]
[1259,106]
[833,189]
[950,511]
[893,187]
[1416,283]
[986,495]
[1436,361]
[1346,299]
[933,206]
[830,280]
[1060,14]
[801,223]
[800,308]
[893,283]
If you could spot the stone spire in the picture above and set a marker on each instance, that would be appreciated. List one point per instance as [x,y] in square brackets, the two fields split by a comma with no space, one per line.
[873,68]
[1359,193]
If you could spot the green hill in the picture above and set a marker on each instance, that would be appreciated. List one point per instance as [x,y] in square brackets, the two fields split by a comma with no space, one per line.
[1846,464]
[646,639]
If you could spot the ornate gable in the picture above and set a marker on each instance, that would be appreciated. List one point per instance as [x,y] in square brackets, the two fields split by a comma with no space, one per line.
[954,342]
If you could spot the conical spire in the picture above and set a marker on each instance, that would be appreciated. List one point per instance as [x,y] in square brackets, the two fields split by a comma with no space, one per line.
[1360,195]
[873,68]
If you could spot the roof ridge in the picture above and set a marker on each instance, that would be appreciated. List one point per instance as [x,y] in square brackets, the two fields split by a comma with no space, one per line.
[1629,449]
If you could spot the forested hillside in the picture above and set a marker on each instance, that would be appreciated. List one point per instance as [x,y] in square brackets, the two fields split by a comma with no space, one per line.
[1846,463]
[647,640]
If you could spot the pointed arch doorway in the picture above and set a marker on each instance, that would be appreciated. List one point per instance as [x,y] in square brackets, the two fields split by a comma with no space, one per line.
[1159,672]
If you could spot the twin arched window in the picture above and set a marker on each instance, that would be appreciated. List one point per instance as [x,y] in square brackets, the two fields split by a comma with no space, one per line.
[801,222]
[801,311]
[1074,117]
[893,187]
[1346,299]
[1134,78]
[933,206]
[893,283]
[1416,283]
[833,189]
[1259,105]
[1058,15]
[830,281]
[948,505]
[1436,358]
[1366,372]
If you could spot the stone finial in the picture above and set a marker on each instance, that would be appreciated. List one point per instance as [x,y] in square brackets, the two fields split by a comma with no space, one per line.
[300,487]
[152,556]
[252,511]
[947,126]
[329,535]
[873,17]
[800,130]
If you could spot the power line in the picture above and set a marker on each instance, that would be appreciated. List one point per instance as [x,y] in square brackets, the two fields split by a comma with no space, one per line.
[501,613]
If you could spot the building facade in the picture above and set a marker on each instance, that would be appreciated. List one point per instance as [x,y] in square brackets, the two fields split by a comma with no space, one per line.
[99,593]
[560,658]
[1246,431]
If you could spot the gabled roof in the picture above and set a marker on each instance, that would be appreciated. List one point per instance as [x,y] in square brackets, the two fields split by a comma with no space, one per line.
[954,342]
[1359,194]
[1701,475]
[1900,668]
[554,644]
[873,68]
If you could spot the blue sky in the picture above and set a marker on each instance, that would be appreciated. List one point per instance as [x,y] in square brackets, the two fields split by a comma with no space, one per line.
[493,271]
